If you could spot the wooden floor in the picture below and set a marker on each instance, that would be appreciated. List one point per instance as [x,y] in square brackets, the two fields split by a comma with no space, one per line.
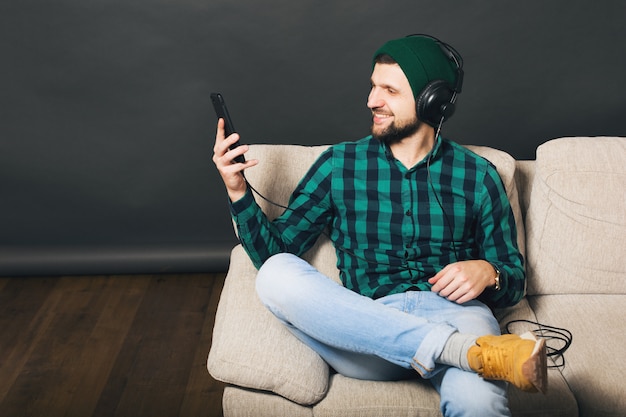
[108,346]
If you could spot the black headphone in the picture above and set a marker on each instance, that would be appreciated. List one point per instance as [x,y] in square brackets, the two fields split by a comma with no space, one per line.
[436,102]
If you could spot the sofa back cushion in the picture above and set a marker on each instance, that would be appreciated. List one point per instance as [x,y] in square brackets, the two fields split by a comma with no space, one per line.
[281,167]
[506,167]
[576,221]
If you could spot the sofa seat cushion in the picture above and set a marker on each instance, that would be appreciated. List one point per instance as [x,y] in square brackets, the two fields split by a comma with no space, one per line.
[349,397]
[594,363]
[416,398]
[241,402]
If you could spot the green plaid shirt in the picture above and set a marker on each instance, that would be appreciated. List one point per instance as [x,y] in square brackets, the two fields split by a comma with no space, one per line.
[386,222]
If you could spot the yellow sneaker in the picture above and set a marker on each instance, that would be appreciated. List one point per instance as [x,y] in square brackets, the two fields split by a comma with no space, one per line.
[520,360]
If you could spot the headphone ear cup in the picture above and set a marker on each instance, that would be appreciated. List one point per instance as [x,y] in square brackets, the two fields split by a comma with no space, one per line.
[435,103]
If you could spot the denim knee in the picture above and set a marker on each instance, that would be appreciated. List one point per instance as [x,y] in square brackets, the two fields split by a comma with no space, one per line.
[277,279]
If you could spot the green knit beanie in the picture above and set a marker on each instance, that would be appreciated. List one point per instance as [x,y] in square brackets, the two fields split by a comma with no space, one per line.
[421,59]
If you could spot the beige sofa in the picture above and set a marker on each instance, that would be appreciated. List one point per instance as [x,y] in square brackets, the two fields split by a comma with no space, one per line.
[570,204]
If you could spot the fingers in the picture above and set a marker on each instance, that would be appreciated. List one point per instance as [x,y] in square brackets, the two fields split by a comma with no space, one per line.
[223,143]
[441,279]
[458,282]
[223,158]
[223,155]
[219,135]
[450,283]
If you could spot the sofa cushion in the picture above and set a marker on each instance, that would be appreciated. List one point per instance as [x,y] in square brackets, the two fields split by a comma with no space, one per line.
[238,402]
[506,166]
[594,367]
[349,397]
[250,348]
[280,169]
[576,222]
[282,166]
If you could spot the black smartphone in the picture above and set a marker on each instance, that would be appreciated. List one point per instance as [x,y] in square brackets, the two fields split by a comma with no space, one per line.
[222,112]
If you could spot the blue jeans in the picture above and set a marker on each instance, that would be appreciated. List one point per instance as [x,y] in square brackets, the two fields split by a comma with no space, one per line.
[384,339]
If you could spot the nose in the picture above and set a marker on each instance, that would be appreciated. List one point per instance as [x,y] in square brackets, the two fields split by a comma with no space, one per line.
[374,100]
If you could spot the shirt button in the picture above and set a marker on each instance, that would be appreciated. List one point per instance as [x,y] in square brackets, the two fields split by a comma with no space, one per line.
[409,212]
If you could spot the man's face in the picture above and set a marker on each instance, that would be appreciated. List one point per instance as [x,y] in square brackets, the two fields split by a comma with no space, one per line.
[392,103]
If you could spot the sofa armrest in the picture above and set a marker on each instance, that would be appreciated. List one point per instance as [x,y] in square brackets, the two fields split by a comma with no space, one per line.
[251,349]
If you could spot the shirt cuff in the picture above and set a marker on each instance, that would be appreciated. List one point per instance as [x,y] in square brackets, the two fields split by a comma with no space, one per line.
[244,207]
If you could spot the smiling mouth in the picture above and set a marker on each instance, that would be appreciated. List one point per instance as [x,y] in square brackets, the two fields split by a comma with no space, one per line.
[380,117]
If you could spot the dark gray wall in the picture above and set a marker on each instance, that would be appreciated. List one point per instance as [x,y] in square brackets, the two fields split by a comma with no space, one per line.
[107,127]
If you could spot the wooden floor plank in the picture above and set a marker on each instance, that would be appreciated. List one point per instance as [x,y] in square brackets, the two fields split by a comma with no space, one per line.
[123,298]
[25,307]
[50,377]
[3,282]
[203,396]
[150,376]
[126,346]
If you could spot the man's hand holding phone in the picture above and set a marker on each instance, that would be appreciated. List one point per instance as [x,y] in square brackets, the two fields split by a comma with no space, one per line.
[227,152]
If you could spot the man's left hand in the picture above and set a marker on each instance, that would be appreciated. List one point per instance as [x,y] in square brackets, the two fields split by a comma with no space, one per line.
[463,281]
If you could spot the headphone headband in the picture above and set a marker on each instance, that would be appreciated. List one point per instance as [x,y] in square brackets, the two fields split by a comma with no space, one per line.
[436,102]
[452,54]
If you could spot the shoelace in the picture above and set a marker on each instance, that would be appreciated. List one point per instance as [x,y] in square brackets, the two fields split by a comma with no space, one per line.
[495,361]
[558,340]
[497,354]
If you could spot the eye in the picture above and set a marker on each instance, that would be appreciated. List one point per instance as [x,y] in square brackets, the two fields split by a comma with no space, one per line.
[391,91]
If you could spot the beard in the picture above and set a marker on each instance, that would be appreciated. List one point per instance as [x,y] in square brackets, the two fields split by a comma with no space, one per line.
[394,133]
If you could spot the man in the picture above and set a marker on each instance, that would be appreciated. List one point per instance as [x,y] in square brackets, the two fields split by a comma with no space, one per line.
[425,239]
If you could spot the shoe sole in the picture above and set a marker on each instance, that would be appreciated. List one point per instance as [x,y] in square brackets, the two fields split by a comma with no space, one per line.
[535,369]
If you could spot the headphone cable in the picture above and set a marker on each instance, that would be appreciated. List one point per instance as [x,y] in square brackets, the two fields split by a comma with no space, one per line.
[553,335]
[324,232]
